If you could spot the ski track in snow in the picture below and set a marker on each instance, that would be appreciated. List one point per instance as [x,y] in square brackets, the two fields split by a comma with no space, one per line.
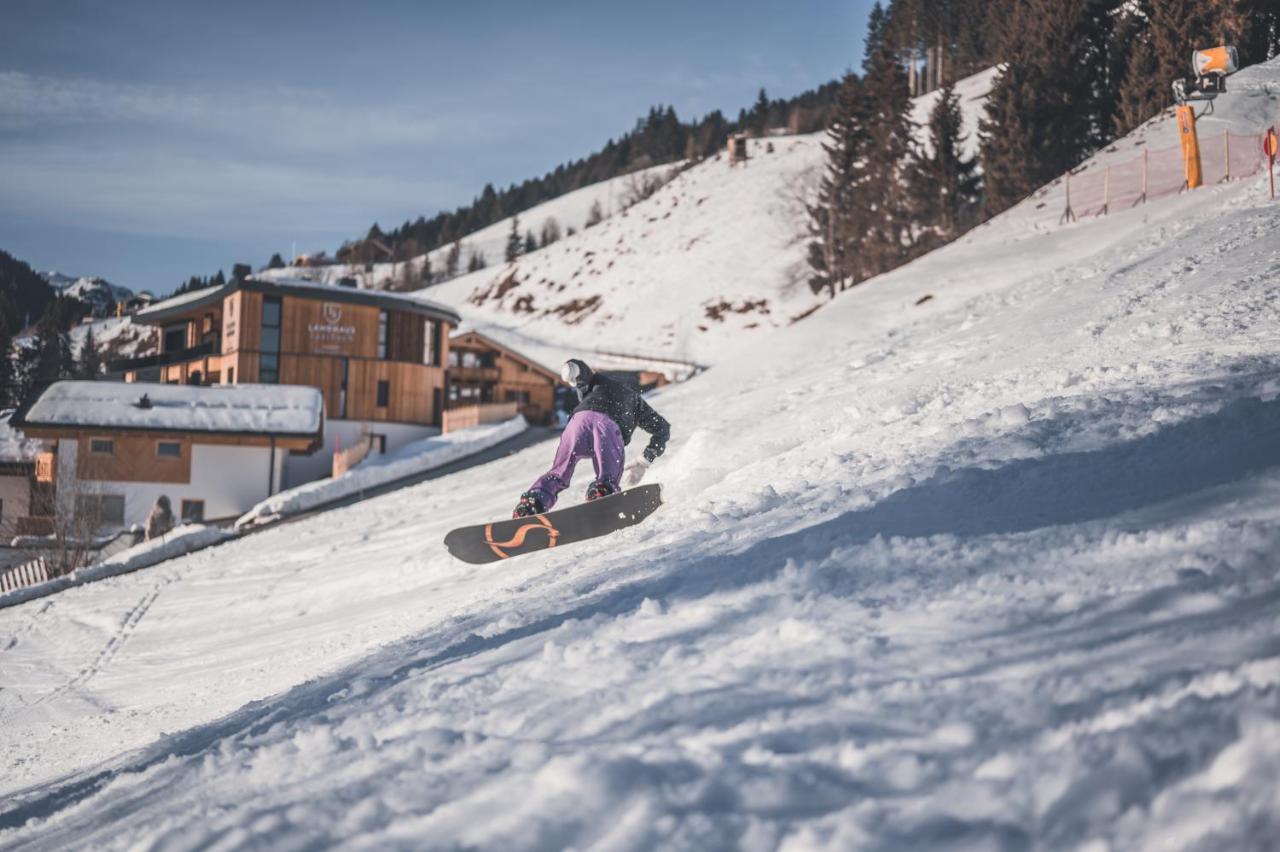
[997,571]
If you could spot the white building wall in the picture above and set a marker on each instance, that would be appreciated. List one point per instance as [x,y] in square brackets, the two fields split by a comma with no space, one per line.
[344,433]
[229,479]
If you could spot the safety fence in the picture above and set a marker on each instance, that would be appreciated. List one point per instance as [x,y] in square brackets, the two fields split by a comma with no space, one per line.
[1096,190]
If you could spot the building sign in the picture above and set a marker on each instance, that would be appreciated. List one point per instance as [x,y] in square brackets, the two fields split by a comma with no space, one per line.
[331,334]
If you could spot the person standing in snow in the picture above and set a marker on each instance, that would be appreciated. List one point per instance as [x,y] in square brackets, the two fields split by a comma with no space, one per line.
[160,521]
[601,426]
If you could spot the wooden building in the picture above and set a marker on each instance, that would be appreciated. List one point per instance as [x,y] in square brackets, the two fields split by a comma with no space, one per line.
[378,358]
[482,370]
[113,448]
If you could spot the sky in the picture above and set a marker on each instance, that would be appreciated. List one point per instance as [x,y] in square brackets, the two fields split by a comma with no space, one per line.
[146,142]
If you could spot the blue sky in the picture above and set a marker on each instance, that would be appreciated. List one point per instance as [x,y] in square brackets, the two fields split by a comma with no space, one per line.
[149,141]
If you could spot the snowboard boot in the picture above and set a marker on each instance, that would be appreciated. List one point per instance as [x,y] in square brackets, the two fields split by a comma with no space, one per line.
[530,504]
[599,489]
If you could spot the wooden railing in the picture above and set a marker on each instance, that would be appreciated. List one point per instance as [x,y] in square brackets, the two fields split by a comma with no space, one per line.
[476,415]
[344,460]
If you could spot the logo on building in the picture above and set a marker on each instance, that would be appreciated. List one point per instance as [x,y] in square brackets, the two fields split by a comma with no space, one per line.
[331,335]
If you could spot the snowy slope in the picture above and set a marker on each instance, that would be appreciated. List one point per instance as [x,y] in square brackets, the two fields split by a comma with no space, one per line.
[569,210]
[998,569]
[715,256]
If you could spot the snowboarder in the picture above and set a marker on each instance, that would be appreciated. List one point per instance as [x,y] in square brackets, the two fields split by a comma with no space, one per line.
[601,426]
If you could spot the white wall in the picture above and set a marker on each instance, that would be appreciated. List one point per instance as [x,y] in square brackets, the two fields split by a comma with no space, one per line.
[229,479]
[318,465]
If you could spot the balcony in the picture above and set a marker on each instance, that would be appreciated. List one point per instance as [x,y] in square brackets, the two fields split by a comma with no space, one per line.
[474,374]
[163,359]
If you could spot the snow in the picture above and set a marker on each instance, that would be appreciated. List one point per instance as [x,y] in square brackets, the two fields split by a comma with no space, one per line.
[14,446]
[260,409]
[998,570]
[184,539]
[412,458]
[569,210]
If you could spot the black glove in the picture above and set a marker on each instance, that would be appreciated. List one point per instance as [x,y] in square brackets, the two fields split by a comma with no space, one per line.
[652,451]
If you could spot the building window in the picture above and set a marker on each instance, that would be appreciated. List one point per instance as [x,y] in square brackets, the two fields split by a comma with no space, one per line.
[102,446]
[384,393]
[384,335]
[193,511]
[269,366]
[169,449]
[430,343]
[269,369]
[175,337]
[100,509]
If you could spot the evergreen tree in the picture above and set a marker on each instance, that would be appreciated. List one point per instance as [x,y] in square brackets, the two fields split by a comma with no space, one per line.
[947,187]
[832,218]
[89,365]
[276,262]
[759,115]
[886,169]
[513,241]
[8,392]
[452,259]
[530,242]
[550,231]
[53,356]
[476,262]
[876,26]
[1046,112]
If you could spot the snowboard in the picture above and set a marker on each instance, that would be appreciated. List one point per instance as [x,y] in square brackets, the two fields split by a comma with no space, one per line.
[503,539]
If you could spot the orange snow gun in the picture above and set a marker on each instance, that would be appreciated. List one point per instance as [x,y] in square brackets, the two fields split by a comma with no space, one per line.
[1211,69]
[1218,61]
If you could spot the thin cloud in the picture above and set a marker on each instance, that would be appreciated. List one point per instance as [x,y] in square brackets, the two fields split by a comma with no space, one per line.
[296,118]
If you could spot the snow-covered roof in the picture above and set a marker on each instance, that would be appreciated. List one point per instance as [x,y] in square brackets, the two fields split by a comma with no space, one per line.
[179,305]
[237,409]
[14,446]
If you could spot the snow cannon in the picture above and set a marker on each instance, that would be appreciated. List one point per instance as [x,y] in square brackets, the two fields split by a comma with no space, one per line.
[1211,68]
[1219,61]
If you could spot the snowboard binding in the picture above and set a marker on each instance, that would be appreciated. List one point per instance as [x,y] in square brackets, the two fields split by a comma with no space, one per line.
[599,489]
[530,504]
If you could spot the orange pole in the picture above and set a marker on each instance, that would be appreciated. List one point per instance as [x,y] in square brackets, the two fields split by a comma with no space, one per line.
[1190,146]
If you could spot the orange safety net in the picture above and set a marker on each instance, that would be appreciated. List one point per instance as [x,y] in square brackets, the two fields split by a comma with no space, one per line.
[1096,189]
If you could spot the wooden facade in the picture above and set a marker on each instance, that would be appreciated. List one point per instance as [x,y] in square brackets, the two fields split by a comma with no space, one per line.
[374,356]
[483,371]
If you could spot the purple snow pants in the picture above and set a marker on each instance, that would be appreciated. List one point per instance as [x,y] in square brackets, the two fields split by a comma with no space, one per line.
[589,434]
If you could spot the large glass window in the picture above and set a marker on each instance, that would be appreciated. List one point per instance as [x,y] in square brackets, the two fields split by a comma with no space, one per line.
[269,369]
[430,355]
[169,449]
[98,509]
[269,365]
[384,335]
[384,393]
[175,337]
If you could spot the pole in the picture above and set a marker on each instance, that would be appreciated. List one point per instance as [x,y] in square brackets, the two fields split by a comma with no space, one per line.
[1142,199]
[1106,191]
[1226,146]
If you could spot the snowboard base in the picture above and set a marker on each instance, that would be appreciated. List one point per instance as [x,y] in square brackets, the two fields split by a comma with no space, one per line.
[503,539]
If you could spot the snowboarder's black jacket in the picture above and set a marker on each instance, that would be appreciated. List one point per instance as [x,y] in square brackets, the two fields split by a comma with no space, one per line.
[624,406]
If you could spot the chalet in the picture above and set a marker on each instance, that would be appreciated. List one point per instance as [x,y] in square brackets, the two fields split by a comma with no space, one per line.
[377,358]
[113,448]
[482,370]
